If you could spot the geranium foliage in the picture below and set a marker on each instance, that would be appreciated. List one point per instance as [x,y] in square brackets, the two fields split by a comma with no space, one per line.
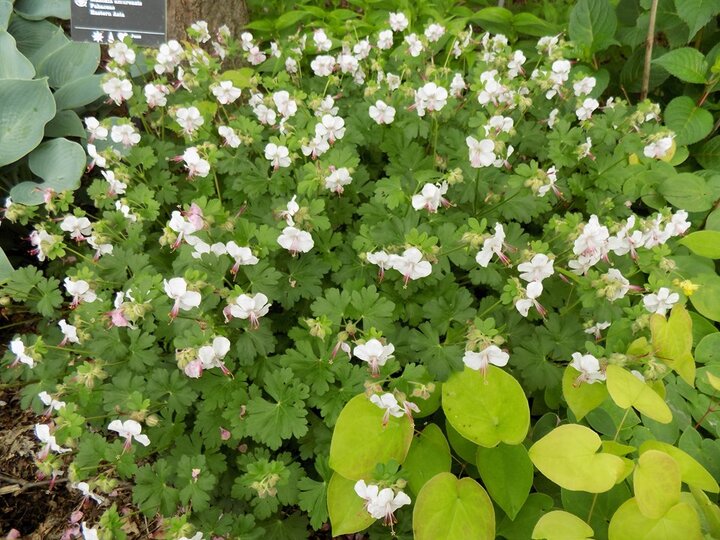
[304,275]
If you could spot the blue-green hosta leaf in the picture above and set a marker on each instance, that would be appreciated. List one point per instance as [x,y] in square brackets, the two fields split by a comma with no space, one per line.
[13,65]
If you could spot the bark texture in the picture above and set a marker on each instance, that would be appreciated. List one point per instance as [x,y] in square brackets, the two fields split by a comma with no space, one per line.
[182,13]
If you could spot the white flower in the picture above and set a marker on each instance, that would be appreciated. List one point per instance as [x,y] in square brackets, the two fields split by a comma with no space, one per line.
[80,291]
[225,92]
[515,64]
[250,307]
[96,158]
[382,113]
[256,56]
[393,81]
[584,149]
[291,66]
[661,301]
[398,22]
[201,28]
[43,243]
[537,269]
[125,134]
[389,403]
[246,38]
[411,265]
[375,354]
[678,224]
[624,241]
[584,86]
[189,119]
[430,97]
[617,286]
[584,112]
[532,291]
[69,331]
[89,533]
[124,209]
[493,246]
[362,49]
[176,289]
[381,504]
[499,124]
[265,115]
[184,228]
[316,147]
[285,106]
[115,186]
[211,356]
[431,197]
[95,129]
[168,57]
[482,153]
[593,240]
[278,156]
[242,255]
[84,488]
[78,227]
[295,240]
[330,128]
[385,39]
[338,179]
[17,347]
[434,32]
[231,138]
[118,90]
[326,106]
[489,355]
[589,368]
[658,149]
[156,95]
[195,165]
[129,429]
[323,65]
[51,403]
[381,259]
[291,209]
[322,42]
[552,118]
[597,328]
[42,432]
[121,53]
[415,46]
[457,85]
[347,63]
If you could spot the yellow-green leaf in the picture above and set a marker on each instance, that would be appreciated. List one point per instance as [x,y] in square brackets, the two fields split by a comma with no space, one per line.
[559,525]
[657,483]
[672,340]
[680,523]
[627,391]
[581,397]
[691,472]
[429,455]
[569,456]
[346,508]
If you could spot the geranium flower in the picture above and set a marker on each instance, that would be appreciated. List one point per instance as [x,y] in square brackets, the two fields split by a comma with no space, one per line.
[250,307]
[385,40]
[156,95]
[17,347]
[195,165]
[78,227]
[584,112]
[532,292]
[589,368]
[537,269]
[597,328]
[338,179]
[661,301]
[286,106]
[658,149]
[492,354]
[184,228]
[80,291]
[434,32]
[279,156]
[176,289]
[231,138]
[389,403]
[89,533]
[381,504]
[117,315]
[42,432]
[95,157]
[482,153]
[69,331]
[95,129]
[398,21]
[330,128]
[291,209]
[375,354]
[322,42]
[493,246]
[382,113]
[84,488]
[168,57]
[411,265]
[129,429]
[430,97]
[50,402]
[323,65]
[431,197]
[225,92]
[189,119]
[593,240]
[118,90]
[295,240]
[115,186]
[243,256]
[125,134]
[212,355]
[381,259]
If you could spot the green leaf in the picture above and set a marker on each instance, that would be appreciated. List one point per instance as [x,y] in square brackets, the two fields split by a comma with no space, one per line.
[627,391]
[360,441]
[486,408]
[153,491]
[65,124]
[507,474]
[656,481]
[6,269]
[79,92]
[691,472]
[592,25]
[706,300]
[708,350]
[581,397]
[568,456]
[629,523]
[497,20]
[703,243]
[60,163]
[708,155]
[447,508]
[241,78]
[70,62]
[672,340]
[13,65]
[710,511]
[686,63]
[346,508]
[689,122]
[34,10]
[195,488]
[313,499]
[559,525]
[6,9]
[429,455]
[25,108]
[687,191]
[697,13]
[531,25]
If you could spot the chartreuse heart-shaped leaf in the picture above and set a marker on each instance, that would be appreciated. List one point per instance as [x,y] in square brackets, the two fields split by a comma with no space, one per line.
[486,408]
[656,480]
[507,473]
[581,397]
[429,455]
[709,510]
[713,380]
[569,456]
[626,390]
[672,341]
[346,508]
[681,522]
[447,509]
[559,525]
[691,472]
[360,441]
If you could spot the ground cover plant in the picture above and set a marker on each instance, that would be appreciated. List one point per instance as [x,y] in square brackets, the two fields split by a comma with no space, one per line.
[413,280]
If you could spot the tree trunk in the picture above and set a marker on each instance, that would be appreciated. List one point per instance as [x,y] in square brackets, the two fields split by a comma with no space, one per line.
[182,13]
